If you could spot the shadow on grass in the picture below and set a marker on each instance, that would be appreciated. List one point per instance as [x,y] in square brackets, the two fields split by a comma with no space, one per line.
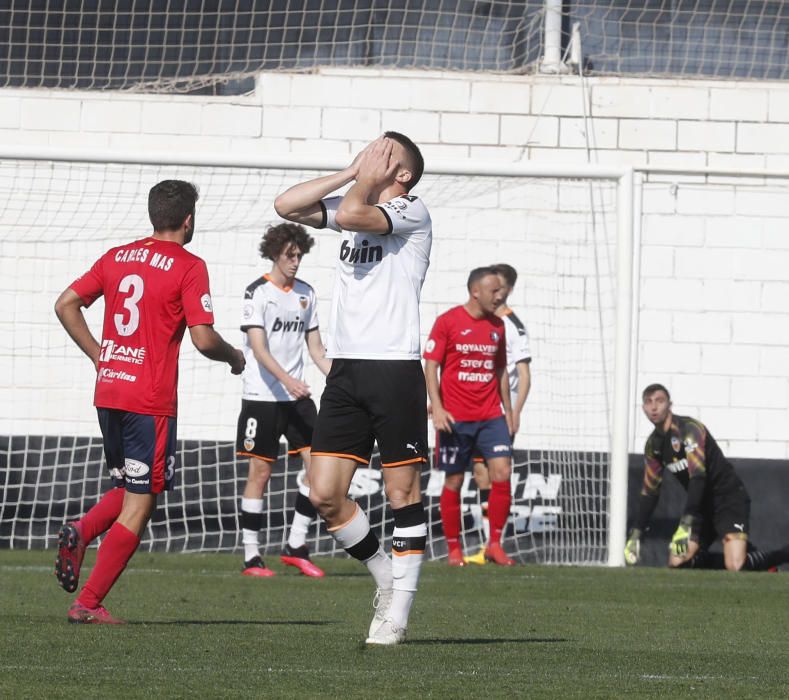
[267,623]
[491,640]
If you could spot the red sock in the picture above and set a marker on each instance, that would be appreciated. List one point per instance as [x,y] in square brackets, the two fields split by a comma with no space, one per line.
[99,518]
[117,548]
[450,517]
[498,509]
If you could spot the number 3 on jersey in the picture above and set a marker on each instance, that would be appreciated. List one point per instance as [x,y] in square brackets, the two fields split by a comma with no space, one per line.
[134,286]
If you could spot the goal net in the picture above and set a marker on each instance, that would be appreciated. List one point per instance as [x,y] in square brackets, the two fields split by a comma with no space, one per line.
[56,217]
[220,46]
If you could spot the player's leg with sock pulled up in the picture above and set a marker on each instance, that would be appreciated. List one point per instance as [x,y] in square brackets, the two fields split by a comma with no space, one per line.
[252,517]
[449,505]
[356,538]
[408,552]
[330,479]
[482,479]
[499,508]
[75,537]
[296,553]
[408,549]
[116,550]
[453,452]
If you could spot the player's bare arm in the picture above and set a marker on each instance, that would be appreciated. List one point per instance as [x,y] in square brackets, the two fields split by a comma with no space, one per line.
[68,309]
[301,203]
[442,419]
[210,344]
[377,171]
[504,393]
[317,351]
[524,386]
[258,341]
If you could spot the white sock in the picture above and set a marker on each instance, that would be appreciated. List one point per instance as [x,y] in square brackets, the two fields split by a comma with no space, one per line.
[406,567]
[298,530]
[380,567]
[249,537]
[300,525]
[353,533]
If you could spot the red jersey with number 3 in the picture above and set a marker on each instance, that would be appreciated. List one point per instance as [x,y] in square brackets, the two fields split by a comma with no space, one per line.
[469,350]
[152,290]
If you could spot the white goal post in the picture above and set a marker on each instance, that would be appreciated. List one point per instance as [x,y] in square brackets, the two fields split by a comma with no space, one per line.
[568,230]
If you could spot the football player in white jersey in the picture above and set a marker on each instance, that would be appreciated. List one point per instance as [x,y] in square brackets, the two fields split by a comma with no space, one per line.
[376,388]
[519,370]
[279,315]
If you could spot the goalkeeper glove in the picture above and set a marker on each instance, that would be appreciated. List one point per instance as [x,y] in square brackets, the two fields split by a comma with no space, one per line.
[633,547]
[681,538]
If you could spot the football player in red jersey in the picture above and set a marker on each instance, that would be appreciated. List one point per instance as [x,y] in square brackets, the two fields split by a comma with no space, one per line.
[153,290]
[519,371]
[468,344]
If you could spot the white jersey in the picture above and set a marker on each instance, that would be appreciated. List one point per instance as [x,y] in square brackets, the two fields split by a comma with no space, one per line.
[517,338]
[286,315]
[375,304]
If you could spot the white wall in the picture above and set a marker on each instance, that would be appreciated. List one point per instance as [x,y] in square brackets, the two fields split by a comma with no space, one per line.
[714,257]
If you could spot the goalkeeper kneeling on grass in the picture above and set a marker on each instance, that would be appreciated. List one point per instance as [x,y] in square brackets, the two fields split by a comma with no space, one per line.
[717,505]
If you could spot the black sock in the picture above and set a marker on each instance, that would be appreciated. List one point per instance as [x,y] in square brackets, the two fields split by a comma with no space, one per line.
[305,507]
[704,559]
[756,560]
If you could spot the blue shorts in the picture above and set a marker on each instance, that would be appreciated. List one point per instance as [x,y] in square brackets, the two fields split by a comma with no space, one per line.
[488,438]
[140,449]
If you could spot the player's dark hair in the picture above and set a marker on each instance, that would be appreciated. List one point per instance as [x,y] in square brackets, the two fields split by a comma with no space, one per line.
[508,272]
[170,202]
[477,274]
[277,239]
[417,166]
[652,388]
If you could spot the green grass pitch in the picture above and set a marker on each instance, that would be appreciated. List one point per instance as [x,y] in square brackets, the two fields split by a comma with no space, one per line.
[199,629]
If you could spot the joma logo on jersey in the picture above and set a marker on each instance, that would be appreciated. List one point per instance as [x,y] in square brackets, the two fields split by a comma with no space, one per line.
[364,254]
[285,326]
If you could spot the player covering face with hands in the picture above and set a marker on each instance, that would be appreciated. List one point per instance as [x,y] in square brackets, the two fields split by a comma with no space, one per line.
[375,390]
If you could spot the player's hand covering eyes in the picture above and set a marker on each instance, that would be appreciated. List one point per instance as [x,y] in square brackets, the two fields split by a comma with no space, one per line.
[681,538]
[633,547]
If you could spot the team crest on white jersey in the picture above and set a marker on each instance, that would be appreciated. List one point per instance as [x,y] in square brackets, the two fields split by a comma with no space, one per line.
[303,301]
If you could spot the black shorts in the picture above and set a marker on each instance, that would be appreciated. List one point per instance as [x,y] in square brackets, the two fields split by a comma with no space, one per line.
[373,400]
[140,449]
[262,423]
[731,515]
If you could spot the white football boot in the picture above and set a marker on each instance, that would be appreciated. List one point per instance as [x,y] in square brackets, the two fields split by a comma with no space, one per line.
[387,634]
[381,604]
